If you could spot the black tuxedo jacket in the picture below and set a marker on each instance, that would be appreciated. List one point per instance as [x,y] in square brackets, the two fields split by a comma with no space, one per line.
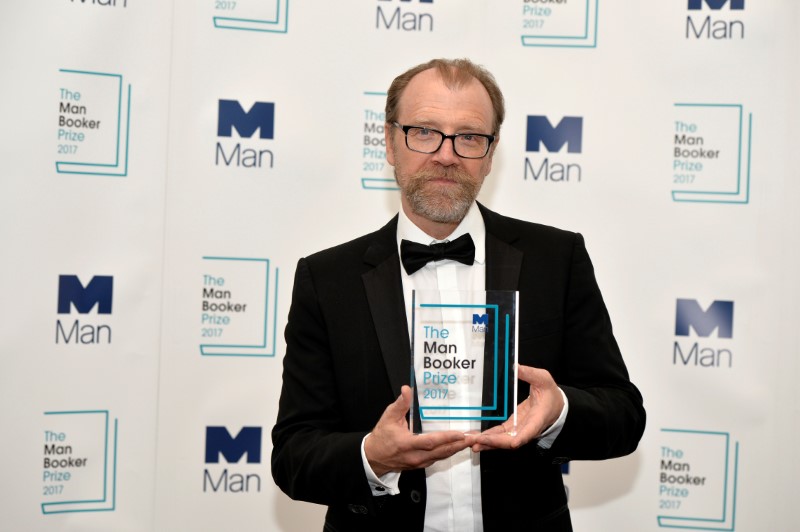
[348,354]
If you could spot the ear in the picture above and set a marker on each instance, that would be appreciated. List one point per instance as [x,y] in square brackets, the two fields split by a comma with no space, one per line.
[490,155]
[388,135]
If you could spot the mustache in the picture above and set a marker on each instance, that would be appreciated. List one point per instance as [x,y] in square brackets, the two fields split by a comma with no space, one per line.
[457,175]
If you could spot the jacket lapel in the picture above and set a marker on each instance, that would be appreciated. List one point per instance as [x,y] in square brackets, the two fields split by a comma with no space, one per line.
[384,288]
[503,261]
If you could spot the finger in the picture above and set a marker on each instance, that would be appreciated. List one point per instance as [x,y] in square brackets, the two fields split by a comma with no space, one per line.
[440,453]
[433,440]
[497,429]
[498,441]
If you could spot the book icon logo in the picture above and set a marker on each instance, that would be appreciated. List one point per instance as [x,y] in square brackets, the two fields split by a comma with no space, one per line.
[271,16]
[239,307]
[697,480]
[80,462]
[94,113]
[711,153]
[561,25]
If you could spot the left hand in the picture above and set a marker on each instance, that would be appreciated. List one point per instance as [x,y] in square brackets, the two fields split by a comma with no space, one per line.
[540,410]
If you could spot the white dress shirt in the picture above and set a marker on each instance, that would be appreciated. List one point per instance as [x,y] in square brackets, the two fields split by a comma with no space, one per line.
[454,485]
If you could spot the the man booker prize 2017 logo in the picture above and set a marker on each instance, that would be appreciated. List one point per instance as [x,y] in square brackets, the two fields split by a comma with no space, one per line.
[252,15]
[79,461]
[72,294]
[559,23]
[220,443]
[690,316]
[232,116]
[568,132]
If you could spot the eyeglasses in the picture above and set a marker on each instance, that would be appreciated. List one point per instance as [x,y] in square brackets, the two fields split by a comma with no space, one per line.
[426,140]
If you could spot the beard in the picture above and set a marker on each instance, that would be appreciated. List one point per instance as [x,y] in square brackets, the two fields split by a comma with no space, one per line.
[442,204]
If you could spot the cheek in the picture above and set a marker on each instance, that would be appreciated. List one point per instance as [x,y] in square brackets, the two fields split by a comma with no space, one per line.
[486,166]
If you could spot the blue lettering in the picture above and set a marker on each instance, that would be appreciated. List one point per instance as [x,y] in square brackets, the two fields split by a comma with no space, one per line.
[98,292]
[219,441]
[569,131]
[719,315]
[715,4]
[261,116]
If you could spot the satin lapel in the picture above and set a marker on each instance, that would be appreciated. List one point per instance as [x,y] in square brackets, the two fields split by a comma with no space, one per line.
[503,264]
[384,289]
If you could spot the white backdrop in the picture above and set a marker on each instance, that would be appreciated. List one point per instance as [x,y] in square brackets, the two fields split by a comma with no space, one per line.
[165,164]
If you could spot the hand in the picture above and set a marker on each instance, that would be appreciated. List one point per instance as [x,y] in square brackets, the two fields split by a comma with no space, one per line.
[540,410]
[392,447]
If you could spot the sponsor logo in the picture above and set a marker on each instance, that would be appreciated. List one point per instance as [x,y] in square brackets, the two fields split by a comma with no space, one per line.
[260,117]
[221,444]
[690,316]
[480,323]
[697,480]
[79,471]
[564,165]
[266,16]
[404,15]
[714,27]
[101,3]
[96,296]
[559,23]
[711,154]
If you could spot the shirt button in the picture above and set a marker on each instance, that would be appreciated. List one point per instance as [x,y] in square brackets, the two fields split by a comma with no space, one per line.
[357,508]
[415,496]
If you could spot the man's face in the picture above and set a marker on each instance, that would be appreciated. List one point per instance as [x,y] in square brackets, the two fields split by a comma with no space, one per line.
[441,186]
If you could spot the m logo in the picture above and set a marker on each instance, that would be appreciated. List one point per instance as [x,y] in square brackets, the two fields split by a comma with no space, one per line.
[480,319]
[220,442]
[715,4]
[569,131]
[719,316]
[261,117]
[99,291]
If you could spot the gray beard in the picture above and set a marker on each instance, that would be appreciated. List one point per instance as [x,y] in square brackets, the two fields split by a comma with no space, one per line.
[441,206]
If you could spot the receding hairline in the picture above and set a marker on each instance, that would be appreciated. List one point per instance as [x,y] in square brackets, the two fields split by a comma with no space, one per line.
[455,74]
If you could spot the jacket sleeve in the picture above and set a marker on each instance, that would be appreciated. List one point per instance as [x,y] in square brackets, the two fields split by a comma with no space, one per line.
[313,458]
[606,416]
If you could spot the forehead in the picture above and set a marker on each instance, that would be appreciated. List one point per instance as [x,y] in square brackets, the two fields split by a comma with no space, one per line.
[427,100]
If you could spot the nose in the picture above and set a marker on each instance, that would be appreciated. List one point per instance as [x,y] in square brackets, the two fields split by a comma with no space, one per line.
[446,154]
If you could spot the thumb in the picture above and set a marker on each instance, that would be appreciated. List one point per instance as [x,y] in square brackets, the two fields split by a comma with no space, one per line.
[399,408]
[527,374]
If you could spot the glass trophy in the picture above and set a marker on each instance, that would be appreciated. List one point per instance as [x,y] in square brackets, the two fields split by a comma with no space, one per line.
[463,359]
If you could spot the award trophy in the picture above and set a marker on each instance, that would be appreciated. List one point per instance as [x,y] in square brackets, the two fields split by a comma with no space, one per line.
[463,359]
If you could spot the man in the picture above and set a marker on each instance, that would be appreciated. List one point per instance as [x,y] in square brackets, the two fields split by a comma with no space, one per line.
[342,436]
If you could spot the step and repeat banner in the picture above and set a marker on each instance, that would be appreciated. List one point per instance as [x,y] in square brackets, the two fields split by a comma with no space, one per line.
[166,163]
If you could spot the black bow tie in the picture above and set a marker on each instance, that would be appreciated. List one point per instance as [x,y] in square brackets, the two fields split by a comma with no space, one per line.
[415,256]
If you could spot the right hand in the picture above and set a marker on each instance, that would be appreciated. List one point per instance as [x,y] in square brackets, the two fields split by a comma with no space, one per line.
[392,447]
